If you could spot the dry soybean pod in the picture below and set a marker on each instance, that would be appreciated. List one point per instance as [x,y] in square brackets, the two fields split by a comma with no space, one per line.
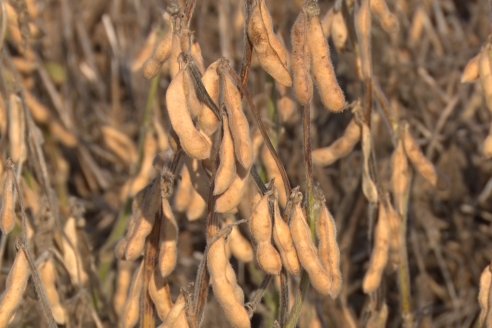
[72,258]
[160,294]
[340,148]
[194,143]
[151,68]
[328,250]
[200,188]
[47,273]
[471,72]
[225,289]
[339,30]
[302,82]
[484,297]
[183,195]
[123,280]
[400,177]
[284,243]
[260,225]
[131,310]
[388,20]
[274,174]
[17,130]
[238,123]
[164,46]
[230,199]
[239,245]
[208,121]
[380,252]
[270,51]
[226,172]
[7,212]
[168,244]
[425,168]
[177,316]
[15,286]
[306,251]
[330,92]
[363,26]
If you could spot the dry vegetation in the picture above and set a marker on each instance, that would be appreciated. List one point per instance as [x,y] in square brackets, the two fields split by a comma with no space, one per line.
[249,163]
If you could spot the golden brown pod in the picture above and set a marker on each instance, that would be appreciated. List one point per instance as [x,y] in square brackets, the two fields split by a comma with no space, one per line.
[270,51]
[7,212]
[329,90]
[168,247]
[208,120]
[302,82]
[226,172]
[194,143]
[363,26]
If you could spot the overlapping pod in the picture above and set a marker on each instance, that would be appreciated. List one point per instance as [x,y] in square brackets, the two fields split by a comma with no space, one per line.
[238,244]
[131,310]
[387,19]
[340,148]
[47,273]
[380,252]
[199,190]
[183,195]
[7,212]
[363,26]
[168,247]
[368,185]
[230,199]
[207,120]
[302,82]
[273,173]
[71,254]
[15,286]
[485,66]
[123,280]
[307,253]
[485,297]
[339,30]
[260,225]
[328,250]
[238,123]
[224,285]
[330,92]
[161,295]
[270,51]
[471,72]
[144,207]
[284,243]
[423,166]
[226,172]
[177,315]
[194,142]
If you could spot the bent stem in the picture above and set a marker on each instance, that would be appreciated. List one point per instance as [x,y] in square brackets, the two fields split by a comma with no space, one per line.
[308,166]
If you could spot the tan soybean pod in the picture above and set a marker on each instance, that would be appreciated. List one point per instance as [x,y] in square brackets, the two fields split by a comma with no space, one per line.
[395,224]
[71,254]
[485,67]
[485,297]
[194,143]
[340,148]
[168,244]
[199,191]
[224,289]
[425,168]
[15,286]
[380,252]
[270,51]
[328,250]
[144,207]
[368,185]
[260,225]
[208,121]
[339,30]
[47,273]
[164,46]
[123,280]
[183,195]
[274,173]
[230,199]
[160,294]
[197,206]
[226,172]
[238,244]
[193,103]
[307,253]
[9,195]
[330,92]
[238,123]
[284,243]
[389,22]
[471,72]
[146,52]
[302,82]
[120,144]
[131,310]
[363,26]
[151,68]
[17,130]
[177,316]
[400,177]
